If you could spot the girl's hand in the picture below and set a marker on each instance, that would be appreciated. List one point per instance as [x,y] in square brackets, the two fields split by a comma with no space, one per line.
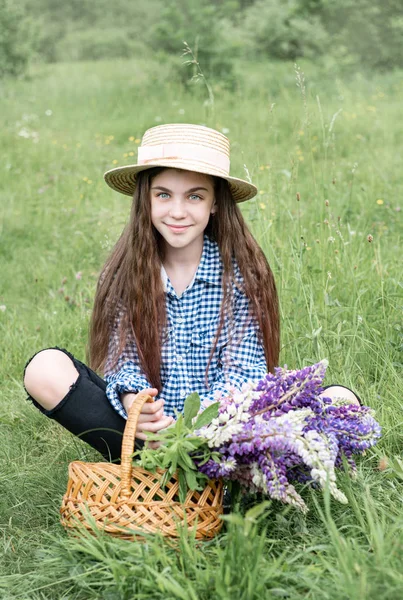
[152,416]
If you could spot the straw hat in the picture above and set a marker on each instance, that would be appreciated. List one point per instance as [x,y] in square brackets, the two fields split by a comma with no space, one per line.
[181,146]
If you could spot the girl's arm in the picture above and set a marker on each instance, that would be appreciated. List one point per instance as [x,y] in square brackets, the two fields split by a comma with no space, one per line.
[124,376]
[126,379]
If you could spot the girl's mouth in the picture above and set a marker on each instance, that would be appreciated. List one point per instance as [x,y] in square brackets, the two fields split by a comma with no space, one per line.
[177,228]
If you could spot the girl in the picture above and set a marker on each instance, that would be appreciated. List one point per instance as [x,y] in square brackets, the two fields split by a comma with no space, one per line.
[185,302]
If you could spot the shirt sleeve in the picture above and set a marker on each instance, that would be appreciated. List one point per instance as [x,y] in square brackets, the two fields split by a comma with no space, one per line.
[126,375]
[242,360]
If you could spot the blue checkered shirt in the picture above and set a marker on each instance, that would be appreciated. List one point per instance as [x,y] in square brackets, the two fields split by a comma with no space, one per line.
[192,321]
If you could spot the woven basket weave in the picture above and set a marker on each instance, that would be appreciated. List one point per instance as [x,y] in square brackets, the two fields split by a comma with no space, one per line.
[128,501]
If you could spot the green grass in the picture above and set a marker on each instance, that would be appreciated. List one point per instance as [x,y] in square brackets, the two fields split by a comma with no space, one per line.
[338,145]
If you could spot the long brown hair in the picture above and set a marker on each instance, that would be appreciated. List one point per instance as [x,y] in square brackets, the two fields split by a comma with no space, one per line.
[131,284]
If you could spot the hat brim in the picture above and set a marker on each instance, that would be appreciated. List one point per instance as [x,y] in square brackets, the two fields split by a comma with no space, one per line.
[123,179]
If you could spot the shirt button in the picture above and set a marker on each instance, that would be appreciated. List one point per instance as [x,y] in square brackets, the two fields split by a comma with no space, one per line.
[179,358]
[183,393]
[180,320]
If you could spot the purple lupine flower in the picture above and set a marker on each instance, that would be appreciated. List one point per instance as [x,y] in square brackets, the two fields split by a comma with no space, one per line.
[279,431]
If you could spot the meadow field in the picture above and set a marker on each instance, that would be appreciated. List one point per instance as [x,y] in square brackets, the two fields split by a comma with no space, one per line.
[325,152]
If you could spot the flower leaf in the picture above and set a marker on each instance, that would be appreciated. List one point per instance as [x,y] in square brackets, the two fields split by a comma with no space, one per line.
[207,416]
[191,408]
[191,480]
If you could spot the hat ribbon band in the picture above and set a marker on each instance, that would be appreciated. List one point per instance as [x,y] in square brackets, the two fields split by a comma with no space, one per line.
[193,152]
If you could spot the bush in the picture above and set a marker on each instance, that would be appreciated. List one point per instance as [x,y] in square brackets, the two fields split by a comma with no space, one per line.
[370,32]
[98,44]
[279,30]
[18,35]
[198,23]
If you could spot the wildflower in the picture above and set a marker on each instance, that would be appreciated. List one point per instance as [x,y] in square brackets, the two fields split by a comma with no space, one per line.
[326,202]
[79,275]
[329,275]
[3,307]
[181,111]
[262,206]
[379,201]
[48,112]
[262,192]
[282,430]
[131,153]
[131,138]
[225,130]
[301,158]
[383,463]
[158,119]
[78,145]
[370,238]
[301,132]
[114,162]
[137,141]
[331,239]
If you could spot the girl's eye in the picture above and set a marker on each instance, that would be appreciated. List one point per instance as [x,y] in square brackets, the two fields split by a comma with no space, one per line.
[194,197]
[163,195]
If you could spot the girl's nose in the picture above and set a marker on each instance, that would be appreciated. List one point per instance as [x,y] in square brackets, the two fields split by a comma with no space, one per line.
[177,209]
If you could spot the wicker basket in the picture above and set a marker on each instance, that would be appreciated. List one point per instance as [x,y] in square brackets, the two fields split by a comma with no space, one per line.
[128,501]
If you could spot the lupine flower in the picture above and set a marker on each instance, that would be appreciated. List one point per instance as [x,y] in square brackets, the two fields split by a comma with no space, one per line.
[281,430]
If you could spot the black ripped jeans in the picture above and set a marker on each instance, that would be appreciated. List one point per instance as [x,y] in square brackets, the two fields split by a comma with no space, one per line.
[86,412]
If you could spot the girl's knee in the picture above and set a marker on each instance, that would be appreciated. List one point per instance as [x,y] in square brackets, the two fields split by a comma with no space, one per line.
[49,376]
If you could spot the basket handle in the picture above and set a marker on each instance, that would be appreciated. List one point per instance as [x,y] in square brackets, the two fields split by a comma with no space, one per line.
[128,441]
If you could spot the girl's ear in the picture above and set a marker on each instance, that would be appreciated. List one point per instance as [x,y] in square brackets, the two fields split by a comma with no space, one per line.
[213,209]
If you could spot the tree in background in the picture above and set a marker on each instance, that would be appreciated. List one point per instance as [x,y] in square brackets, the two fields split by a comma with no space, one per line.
[344,34]
[18,35]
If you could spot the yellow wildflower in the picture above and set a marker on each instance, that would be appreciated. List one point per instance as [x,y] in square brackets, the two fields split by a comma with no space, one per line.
[379,201]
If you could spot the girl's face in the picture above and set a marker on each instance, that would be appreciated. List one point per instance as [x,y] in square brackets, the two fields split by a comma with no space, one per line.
[181,205]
